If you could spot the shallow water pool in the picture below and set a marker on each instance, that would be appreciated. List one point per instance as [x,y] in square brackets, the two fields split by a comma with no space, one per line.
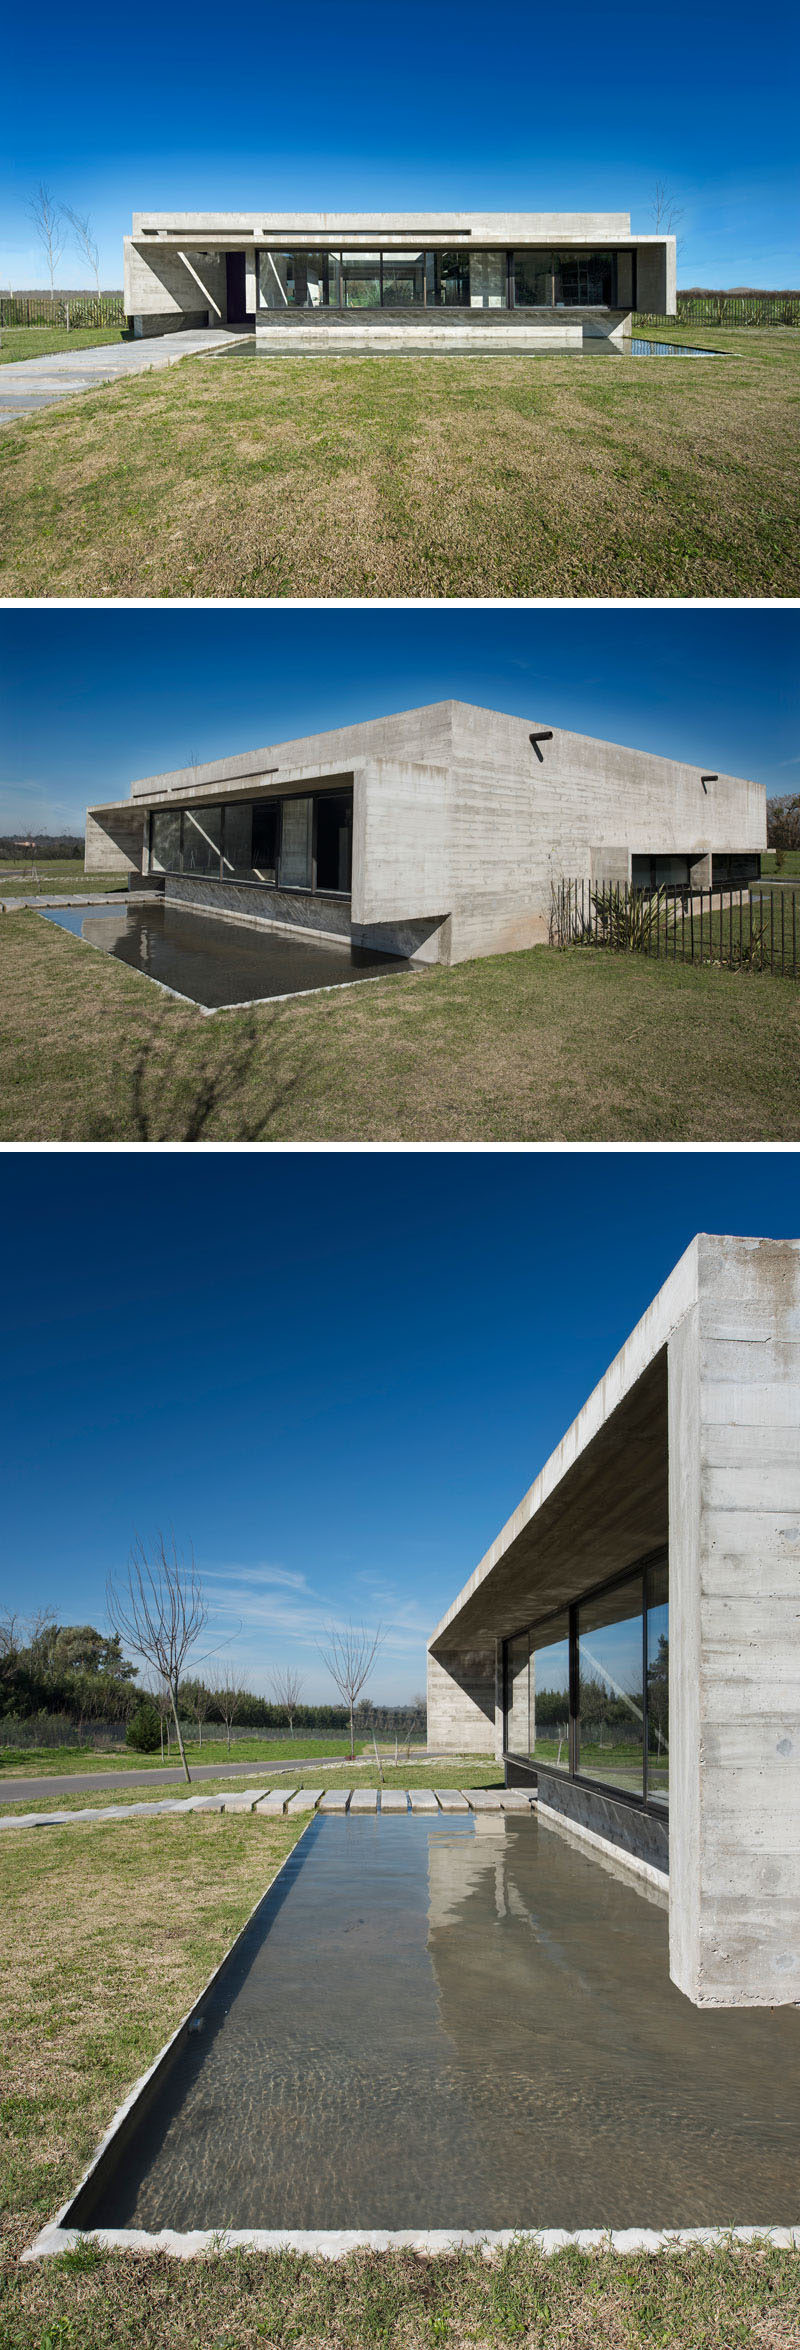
[213,962]
[459,2023]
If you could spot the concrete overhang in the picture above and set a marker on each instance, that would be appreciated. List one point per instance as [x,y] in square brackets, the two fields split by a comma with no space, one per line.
[600,1502]
[255,787]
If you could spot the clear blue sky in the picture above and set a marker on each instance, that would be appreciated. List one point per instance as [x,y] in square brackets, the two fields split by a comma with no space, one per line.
[90,699]
[443,105]
[335,1374]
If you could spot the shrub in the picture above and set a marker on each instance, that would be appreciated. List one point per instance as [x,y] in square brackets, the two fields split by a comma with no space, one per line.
[144,1730]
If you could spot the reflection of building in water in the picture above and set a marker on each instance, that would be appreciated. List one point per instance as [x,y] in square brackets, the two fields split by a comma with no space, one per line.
[460,1865]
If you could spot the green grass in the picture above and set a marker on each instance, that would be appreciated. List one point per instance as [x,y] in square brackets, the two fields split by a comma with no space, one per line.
[36,342]
[789,865]
[537,1046]
[387,476]
[107,1954]
[60,876]
[57,1761]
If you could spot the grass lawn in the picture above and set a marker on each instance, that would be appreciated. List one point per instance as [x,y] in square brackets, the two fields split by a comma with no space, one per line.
[538,1046]
[114,1937]
[789,865]
[237,475]
[460,1770]
[35,342]
[57,1761]
[62,876]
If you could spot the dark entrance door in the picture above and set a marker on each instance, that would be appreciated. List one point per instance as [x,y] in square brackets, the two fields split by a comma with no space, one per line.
[236,289]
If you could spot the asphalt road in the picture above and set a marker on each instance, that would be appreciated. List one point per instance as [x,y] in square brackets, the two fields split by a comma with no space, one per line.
[82,1782]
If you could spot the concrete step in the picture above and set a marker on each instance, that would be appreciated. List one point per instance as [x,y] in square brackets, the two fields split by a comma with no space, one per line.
[483,1798]
[246,1801]
[394,1799]
[364,1799]
[276,1802]
[450,1800]
[306,1799]
[422,1799]
[337,1799]
[517,1799]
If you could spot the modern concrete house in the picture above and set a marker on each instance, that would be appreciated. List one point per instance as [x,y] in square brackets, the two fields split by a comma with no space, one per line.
[435,833]
[318,281]
[631,1641]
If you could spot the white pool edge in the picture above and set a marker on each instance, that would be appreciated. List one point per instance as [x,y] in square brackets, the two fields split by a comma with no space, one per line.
[337,2243]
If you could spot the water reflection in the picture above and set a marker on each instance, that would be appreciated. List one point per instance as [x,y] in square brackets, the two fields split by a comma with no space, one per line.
[461,2023]
[213,962]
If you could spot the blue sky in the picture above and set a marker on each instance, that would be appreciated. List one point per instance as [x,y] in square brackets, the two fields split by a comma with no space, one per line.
[334,1374]
[90,699]
[427,105]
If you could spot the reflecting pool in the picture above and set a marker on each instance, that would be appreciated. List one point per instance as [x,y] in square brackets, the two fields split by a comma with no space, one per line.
[215,962]
[459,2023]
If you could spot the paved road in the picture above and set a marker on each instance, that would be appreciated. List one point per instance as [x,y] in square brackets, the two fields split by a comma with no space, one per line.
[83,1782]
[28,384]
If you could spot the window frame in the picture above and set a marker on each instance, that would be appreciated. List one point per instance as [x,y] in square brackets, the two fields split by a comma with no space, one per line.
[245,881]
[572,1773]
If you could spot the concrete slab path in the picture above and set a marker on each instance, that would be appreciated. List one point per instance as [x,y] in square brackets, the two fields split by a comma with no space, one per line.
[277,1801]
[394,1799]
[306,1799]
[29,384]
[365,1799]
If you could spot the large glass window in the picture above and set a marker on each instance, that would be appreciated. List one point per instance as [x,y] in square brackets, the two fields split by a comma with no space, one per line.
[549,1693]
[403,279]
[292,281]
[295,857]
[237,841]
[533,281]
[451,278]
[610,1693]
[488,281]
[584,278]
[202,833]
[165,840]
[361,281]
[264,850]
[657,1685]
[334,841]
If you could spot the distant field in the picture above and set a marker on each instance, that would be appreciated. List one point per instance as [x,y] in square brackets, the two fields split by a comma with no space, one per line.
[58,877]
[60,1760]
[239,475]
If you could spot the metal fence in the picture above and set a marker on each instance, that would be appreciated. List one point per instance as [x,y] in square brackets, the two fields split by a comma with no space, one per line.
[732,928]
[68,309]
[709,309]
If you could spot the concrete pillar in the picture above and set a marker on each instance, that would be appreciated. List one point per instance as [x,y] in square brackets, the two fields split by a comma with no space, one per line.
[461,1701]
[734,1509]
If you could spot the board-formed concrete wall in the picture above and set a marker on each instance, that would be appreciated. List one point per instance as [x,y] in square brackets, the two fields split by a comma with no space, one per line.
[462,824]
[165,286]
[461,1703]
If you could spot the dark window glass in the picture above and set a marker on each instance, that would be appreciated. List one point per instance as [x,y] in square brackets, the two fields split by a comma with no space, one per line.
[295,856]
[452,278]
[549,1693]
[658,1685]
[165,841]
[361,281]
[403,279]
[237,839]
[584,278]
[202,829]
[334,841]
[264,851]
[533,280]
[611,1697]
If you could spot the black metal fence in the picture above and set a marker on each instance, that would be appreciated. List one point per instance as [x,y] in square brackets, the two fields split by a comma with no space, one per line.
[710,309]
[69,309]
[733,928]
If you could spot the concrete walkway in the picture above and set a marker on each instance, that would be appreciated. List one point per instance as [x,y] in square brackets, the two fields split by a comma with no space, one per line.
[95,897]
[29,384]
[274,1802]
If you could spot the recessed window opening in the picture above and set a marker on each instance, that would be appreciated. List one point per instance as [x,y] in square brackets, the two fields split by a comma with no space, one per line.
[304,843]
[587,1690]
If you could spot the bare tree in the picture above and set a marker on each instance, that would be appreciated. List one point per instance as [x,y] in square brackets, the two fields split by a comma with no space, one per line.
[665,211]
[228,1689]
[349,1656]
[159,1611]
[48,219]
[286,1687]
[83,237]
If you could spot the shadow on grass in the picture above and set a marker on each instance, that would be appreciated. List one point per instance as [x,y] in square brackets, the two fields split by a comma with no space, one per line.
[235,1083]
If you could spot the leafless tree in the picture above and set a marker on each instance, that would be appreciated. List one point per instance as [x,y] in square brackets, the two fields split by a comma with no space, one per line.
[286,1687]
[665,211]
[349,1656]
[159,1611]
[227,1689]
[83,237]
[49,222]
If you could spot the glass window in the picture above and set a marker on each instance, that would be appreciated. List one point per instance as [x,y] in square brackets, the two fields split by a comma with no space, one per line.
[533,280]
[361,281]
[403,279]
[165,841]
[517,1718]
[583,278]
[264,842]
[611,1707]
[334,841]
[549,1693]
[658,1685]
[488,281]
[274,279]
[237,839]
[292,281]
[451,277]
[295,865]
[202,828]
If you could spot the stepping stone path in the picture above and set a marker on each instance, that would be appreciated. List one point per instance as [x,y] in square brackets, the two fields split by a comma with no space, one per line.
[274,1802]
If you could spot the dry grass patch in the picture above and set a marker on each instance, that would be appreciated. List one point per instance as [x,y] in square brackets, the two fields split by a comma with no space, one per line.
[242,475]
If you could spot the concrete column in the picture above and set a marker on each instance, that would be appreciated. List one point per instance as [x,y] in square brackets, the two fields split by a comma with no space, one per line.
[734,1508]
[461,1701]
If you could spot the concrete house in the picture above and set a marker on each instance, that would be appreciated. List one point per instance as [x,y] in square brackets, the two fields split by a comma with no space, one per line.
[318,281]
[436,833]
[630,1643]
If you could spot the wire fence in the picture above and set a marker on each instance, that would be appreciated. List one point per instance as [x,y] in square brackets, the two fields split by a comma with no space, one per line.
[732,928]
[710,309]
[70,310]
